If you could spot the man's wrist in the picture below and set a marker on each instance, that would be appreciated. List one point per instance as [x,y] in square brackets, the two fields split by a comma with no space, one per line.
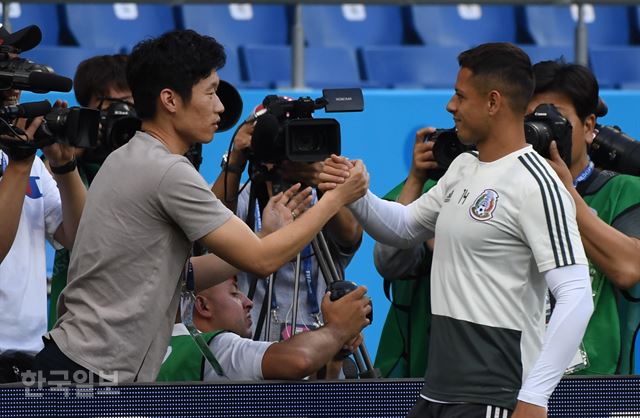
[417,178]
[22,166]
[65,168]
[233,163]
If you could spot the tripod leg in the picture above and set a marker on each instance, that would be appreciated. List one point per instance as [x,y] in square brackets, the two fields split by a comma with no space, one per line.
[370,371]
[296,290]
[322,242]
[322,261]
[330,273]
[269,299]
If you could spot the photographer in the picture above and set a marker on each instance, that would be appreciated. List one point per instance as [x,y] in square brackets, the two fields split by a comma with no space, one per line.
[489,354]
[406,272]
[608,215]
[98,83]
[223,313]
[146,207]
[50,209]
[343,234]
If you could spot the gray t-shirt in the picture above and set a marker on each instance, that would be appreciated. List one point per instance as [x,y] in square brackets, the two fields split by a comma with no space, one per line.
[144,210]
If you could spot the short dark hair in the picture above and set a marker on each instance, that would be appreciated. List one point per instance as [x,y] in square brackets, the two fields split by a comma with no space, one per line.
[575,81]
[177,60]
[502,66]
[96,75]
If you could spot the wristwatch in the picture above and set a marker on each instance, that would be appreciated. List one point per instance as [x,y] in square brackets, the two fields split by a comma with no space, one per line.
[232,168]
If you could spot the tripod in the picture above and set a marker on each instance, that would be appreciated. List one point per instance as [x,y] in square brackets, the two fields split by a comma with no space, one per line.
[326,265]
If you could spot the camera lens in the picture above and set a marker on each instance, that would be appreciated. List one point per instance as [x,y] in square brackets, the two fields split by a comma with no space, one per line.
[446,148]
[538,135]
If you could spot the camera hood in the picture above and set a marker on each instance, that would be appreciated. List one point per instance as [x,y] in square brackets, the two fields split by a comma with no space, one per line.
[232,102]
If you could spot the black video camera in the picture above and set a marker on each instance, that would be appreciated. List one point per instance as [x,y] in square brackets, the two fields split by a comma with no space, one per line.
[339,288]
[613,150]
[76,126]
[541,127]
[287,131]
[23,74]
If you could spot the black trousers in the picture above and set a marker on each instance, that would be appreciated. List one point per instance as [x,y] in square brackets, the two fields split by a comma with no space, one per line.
[13,365]
[427,409]
[52,365]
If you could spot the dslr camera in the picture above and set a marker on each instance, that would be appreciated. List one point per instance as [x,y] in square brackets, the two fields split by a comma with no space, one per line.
[287,130]
[117,125]
[541,127]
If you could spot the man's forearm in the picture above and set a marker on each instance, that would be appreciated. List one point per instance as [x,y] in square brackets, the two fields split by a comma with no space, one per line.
[571,287]
[615,253]
[234,241]
[230,200]
[411,190]
[302,354]
[229,194]
[388,222]
[210,270]
[345,229]
[72,195]
[12,191]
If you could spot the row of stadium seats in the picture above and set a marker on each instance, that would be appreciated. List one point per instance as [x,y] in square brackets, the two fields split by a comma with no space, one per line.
[349,44]
[120,25]
[413,66]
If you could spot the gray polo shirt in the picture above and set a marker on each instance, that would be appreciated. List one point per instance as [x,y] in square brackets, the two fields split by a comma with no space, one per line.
[144,209]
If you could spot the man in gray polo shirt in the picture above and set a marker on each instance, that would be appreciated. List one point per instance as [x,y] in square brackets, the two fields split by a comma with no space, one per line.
[147,206]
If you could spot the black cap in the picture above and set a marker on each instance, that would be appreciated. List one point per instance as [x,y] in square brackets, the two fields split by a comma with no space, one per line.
[22,40]
[601,109]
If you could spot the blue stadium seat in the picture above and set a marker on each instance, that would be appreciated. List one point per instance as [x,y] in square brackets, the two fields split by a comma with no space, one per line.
[65,59]
[237,24]
[616,67]
[464,24]
[352,25]
[429,66]
[119,25]
[45,16]
[270,66]
[231,70]
[555,25]
[545,53]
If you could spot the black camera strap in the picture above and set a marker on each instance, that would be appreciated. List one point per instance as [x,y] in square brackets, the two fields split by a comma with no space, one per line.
[259,195]
[187,302]
[596,181]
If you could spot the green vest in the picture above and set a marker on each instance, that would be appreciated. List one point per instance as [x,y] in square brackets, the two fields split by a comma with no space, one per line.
[404,341]
[609,336]
[185,361]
